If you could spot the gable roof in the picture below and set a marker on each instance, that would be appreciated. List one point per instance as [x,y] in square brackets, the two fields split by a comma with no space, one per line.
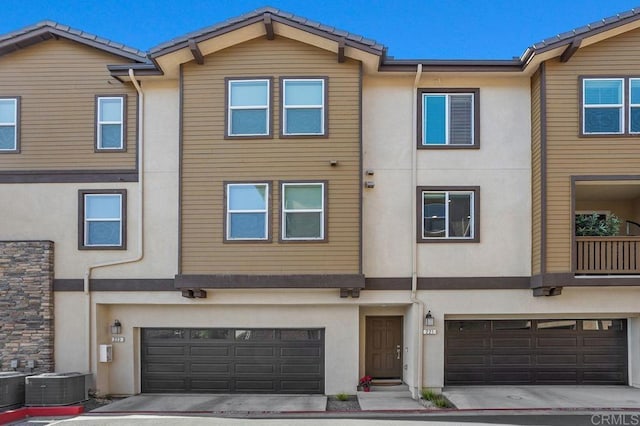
[580,33]
[258,15]
[47,30]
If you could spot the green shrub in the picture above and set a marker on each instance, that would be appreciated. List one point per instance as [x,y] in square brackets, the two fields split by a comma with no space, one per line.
[342,396]
[428,394]
[595,225]
[441,402]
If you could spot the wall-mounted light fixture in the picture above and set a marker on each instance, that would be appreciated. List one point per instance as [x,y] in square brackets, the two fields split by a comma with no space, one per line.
[116,328]
[429,321]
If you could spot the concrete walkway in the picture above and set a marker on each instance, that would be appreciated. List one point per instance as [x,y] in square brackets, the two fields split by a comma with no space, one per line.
[536,397]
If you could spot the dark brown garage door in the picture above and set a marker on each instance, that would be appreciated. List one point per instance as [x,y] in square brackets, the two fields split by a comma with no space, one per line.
[531,352]
[232,360]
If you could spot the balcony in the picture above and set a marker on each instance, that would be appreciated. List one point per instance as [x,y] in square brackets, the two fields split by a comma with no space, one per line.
[607,228]
[608,255]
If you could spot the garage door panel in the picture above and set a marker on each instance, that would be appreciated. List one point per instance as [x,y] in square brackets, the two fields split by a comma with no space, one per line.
[210,385]
[210,351]
[469,342]
[165,350]
[203,368]
[563,342]
[558,377]
[604,359]
[166,368]
[233,360]
[511,343]
[510,377]
[254,368]
[467,360]
[556,359]
[524,360]
[300,352]
[536,352]
[296,386]
[253,351]
[300,369]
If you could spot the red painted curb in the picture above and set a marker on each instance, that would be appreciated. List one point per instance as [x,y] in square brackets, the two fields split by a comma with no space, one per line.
[24,412]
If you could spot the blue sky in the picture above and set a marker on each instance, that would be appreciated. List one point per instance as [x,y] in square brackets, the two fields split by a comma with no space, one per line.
[411,29]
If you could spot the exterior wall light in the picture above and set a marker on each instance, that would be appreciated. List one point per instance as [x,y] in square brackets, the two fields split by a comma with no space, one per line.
[429,321]
[116,328]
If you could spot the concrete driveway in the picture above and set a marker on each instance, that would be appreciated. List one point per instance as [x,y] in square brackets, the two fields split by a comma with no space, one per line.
[536,397]
[218,403]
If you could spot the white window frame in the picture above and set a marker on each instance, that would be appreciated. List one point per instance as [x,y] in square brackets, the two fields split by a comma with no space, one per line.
[285,107]
[631,79]
[447,100]
[13,124]
[231,108]
[620,106]
[230,212]
[100,123]
[87,220]
[472,222]
[321,210]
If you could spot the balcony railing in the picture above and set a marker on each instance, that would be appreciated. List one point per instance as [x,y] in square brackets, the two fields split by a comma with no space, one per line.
[607,255]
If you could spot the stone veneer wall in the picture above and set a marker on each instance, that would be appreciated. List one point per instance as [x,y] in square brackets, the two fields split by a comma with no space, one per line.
[26,304]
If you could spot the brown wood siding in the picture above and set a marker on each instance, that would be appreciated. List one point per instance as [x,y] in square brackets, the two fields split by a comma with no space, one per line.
[536,173]
[57,81]
[209,159]
[567,153]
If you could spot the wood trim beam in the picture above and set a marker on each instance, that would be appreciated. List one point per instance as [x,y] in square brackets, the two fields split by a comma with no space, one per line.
[195,51]
[268,26]
[341,57]
[571,49]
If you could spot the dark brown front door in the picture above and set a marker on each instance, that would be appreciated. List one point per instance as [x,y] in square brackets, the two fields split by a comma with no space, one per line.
[384,347]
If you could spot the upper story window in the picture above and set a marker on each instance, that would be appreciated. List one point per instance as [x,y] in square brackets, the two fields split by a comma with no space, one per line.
[634,105]
[303,211]
[448,214]
[448,118]
[110,123]
[247,211]
[603,106]
[248,107]
[303,107]
[103,223]
[9,127]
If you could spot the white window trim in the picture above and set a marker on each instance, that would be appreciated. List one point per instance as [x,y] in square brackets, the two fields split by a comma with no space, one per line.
[632,105]
[285,211]
[585,106]
[447,97]
[88,220]
[446,215]
[13,124]
[231,108]
[320,106]
[100,123]
[265,211]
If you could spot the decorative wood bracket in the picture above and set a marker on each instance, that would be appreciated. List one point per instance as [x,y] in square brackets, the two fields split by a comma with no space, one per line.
[268,26]
[341,57]
[195,51]
[571,50]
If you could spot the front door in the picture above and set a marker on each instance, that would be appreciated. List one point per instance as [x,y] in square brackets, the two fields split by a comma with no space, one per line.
[384,347]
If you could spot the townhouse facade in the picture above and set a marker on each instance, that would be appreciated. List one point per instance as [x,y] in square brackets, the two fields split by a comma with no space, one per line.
[273,205]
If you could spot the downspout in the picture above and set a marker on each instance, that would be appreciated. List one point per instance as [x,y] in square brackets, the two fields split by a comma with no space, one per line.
[140,251]
[417,375]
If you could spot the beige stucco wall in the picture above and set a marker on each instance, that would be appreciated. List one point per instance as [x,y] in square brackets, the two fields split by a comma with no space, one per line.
[50,211]
[501,167]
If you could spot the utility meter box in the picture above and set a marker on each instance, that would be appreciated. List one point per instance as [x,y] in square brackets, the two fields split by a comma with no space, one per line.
[106,353]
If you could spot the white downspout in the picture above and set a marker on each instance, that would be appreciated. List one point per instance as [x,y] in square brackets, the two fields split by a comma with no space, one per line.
[415,390]
[140,251]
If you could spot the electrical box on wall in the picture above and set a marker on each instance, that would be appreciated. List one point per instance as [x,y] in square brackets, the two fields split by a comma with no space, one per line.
[106,353]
